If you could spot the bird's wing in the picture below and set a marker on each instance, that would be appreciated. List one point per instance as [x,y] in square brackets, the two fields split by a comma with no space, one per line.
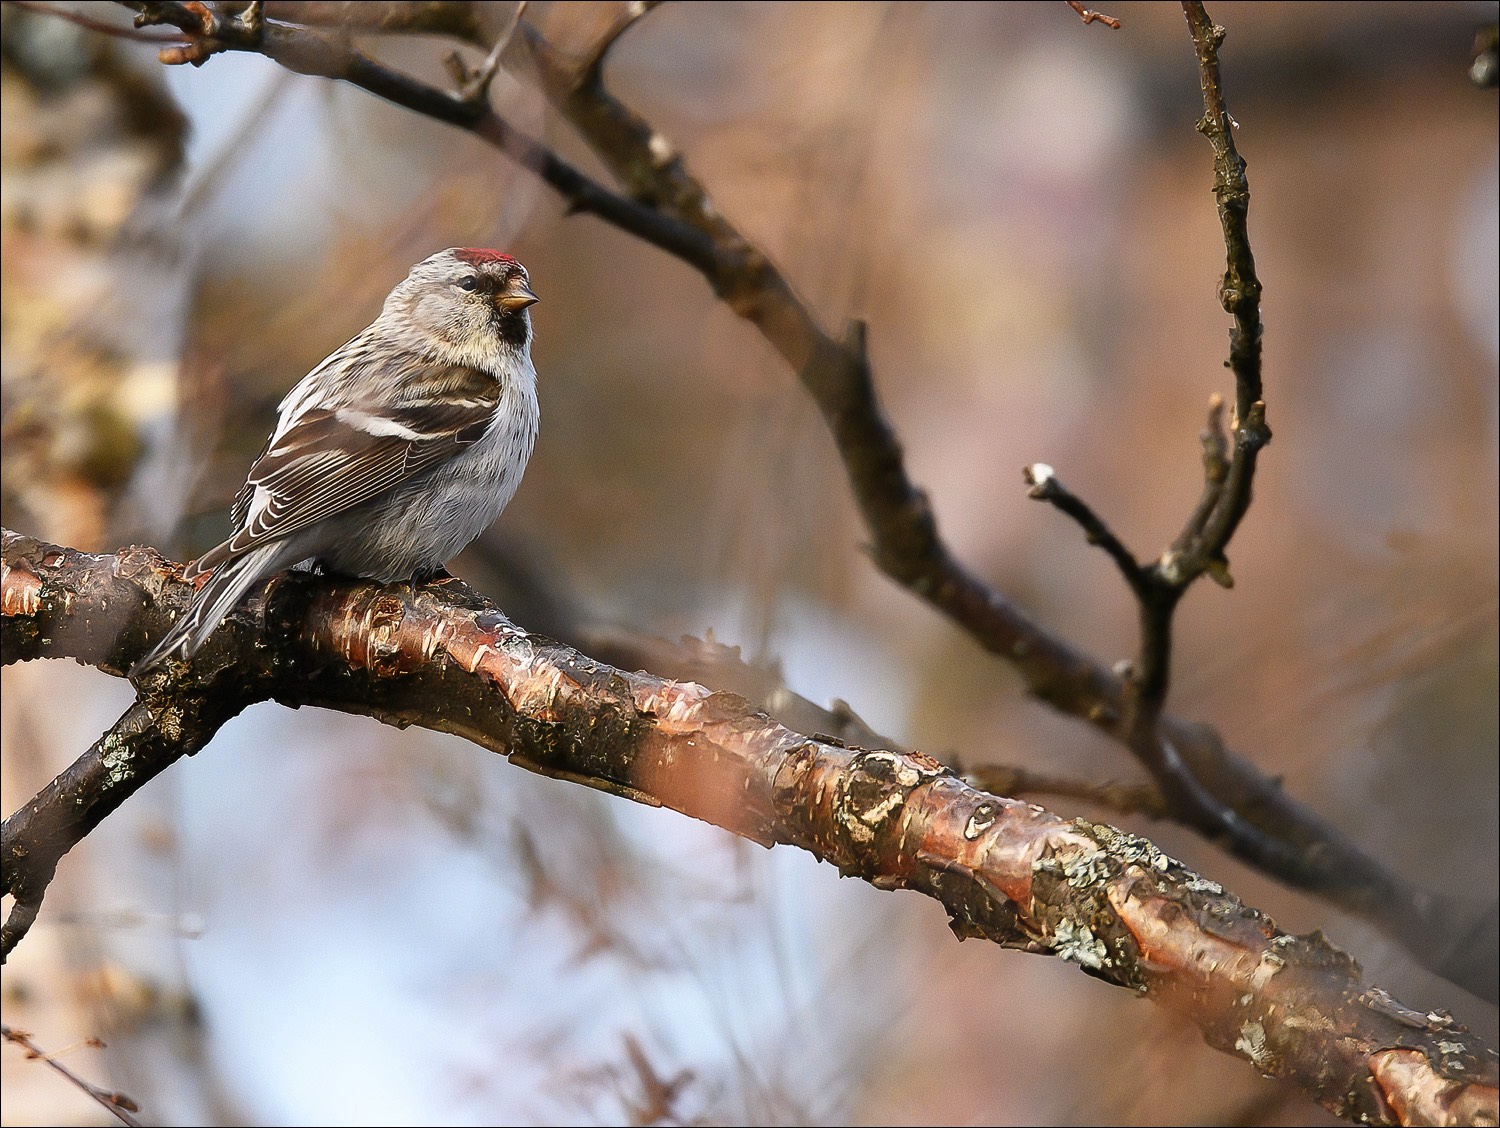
[331,458]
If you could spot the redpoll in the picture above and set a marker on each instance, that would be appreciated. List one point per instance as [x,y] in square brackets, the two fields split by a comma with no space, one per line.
[394,453]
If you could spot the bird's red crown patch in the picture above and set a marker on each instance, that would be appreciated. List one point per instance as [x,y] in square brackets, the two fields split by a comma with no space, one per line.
[478,256]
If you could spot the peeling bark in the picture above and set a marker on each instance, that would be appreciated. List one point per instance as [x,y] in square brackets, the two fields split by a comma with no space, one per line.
[443,657]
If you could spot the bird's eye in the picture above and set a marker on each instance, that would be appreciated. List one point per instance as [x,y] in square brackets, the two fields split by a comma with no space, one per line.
[469,282]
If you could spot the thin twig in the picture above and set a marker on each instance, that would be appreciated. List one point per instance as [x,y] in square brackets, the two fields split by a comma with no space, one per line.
[456,19]
[1200,548]
[1215,471]
[1120,798]
[114,30]
[1088,15]
[118,1104]
[1239,293]
[312,52]
[593,62]
[476,87]
[1045,486]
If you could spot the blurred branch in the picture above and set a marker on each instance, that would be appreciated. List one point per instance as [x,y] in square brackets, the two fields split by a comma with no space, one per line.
[1220,794]
[1201,545]
[457,19]
[157,730]
[119,1105]
[442,657]
[113,30]
[1121,798]
[592,64]
[474,86]
[1088,15]
[307,51]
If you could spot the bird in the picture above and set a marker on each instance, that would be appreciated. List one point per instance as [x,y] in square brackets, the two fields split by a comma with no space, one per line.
[394,453]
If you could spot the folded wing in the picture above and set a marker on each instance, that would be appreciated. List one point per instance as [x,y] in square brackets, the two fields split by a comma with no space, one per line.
[334,457]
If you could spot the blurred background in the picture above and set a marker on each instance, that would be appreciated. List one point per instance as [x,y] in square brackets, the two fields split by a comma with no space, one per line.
[320,920]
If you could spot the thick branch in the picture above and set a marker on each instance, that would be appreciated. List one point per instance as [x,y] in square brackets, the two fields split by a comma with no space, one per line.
[442,657]
[713,663]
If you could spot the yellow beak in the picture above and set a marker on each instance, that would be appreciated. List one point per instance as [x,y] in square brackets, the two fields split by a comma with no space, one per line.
[516,295]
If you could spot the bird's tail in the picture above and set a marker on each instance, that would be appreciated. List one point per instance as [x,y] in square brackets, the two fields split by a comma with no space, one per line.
[211,603]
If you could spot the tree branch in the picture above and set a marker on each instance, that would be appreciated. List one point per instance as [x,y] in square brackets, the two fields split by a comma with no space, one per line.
[713,663]
[311,52]
[456,19]
[1220,794]
[1045,486]
[1088,15]
[442,657]
[117,1104]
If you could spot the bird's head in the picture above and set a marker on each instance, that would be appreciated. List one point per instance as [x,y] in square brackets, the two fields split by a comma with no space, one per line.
[467,299]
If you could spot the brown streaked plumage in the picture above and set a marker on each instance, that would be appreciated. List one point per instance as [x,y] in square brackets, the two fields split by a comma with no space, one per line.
[394,452]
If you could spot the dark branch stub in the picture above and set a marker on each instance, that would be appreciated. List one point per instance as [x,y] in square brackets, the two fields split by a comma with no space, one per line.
[1045,486]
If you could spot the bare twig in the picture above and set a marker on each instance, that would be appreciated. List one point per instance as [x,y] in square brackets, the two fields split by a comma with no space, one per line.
[1215,471]
[592,63]
[1239,293]
[311,52]
[1121,798]
[1088,15]
[475,87]
[1045,486]
[1199,549]
[92,24]
[442,657]
[455,19]
[119,1105]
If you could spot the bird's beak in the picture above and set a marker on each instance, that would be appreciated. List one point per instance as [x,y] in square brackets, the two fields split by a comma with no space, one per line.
[516,295]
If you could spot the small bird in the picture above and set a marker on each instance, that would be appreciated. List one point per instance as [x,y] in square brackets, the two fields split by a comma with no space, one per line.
[395,452]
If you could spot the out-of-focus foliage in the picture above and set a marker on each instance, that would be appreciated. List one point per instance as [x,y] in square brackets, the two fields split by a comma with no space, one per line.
[91,147]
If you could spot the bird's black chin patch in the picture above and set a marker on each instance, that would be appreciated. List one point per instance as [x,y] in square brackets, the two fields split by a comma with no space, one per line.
[513,326]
